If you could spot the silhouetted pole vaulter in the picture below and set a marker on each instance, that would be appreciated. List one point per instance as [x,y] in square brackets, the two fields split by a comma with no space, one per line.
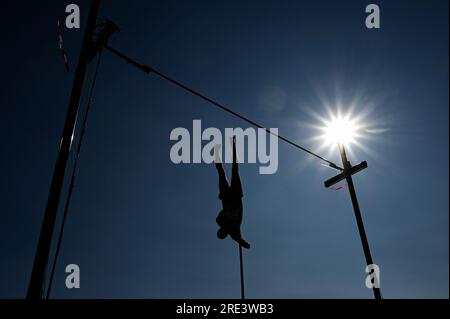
[230,217]
[36,285]
[346,174]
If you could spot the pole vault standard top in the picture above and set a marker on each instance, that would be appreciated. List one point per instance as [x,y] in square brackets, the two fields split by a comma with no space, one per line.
[148,70]
[350,170]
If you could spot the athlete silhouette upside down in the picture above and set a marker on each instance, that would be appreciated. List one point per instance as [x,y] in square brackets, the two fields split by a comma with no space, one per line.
[230,217]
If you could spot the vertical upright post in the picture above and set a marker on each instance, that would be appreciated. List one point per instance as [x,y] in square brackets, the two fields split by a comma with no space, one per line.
[36,285]
[241,263]
[359,221]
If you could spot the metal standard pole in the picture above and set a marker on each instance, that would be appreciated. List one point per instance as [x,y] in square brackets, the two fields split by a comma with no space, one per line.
[242,272]
[359,221]
[36,285]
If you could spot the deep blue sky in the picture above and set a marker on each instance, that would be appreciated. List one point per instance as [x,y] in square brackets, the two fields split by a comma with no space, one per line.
[140,226]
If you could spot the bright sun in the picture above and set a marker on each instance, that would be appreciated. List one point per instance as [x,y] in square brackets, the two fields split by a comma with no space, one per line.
[340,130]
[350,126]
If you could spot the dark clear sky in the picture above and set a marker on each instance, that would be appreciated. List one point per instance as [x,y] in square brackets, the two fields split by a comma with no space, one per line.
[141,226]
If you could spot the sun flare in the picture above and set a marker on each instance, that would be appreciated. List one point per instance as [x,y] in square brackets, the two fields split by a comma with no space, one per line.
[341,130]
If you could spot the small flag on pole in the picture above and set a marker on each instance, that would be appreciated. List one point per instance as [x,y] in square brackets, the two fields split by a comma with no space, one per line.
[61,45]
[338,188]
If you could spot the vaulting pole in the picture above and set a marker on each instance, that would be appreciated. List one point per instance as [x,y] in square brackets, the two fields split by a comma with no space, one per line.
[241,263]
[36,285]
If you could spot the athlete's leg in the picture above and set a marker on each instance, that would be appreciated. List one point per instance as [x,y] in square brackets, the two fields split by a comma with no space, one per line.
[236,185]
[223,183]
